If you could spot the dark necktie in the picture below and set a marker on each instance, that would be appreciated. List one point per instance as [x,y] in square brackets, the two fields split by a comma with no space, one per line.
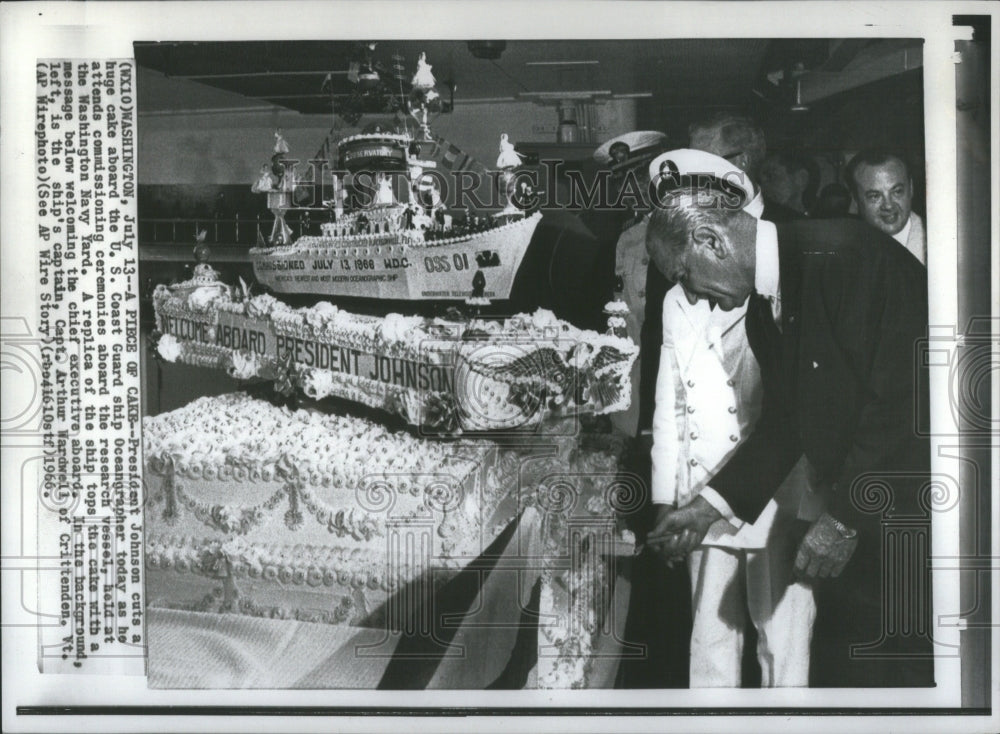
[764,337]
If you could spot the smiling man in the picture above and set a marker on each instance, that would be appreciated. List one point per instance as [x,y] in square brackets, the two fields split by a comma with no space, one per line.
[883,190]
[834,311]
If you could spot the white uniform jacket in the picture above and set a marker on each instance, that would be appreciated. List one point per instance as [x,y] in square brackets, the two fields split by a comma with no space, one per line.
[708,398]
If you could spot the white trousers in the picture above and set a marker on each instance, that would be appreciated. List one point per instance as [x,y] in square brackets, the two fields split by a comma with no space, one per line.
[726,582]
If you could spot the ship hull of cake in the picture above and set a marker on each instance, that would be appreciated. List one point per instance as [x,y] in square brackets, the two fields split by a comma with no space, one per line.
[383,267]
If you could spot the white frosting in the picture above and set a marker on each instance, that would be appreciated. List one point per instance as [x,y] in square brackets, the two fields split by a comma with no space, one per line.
[236,429]
[169,347]
[240,489]
[243,366]
[616,322]
[616,308]
[536,351]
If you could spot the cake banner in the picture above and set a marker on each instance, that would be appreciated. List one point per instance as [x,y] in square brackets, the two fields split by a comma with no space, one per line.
[443,375]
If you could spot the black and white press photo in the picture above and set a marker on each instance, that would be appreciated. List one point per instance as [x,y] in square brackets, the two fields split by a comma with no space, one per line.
[535,360]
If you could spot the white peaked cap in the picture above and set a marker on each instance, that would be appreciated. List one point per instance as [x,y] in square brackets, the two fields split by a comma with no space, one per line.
[689,168]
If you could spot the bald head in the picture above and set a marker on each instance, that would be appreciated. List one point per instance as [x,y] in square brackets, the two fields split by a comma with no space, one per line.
[736,138]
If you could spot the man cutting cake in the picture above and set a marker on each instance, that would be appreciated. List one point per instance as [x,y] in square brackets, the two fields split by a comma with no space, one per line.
[834,312]
[708,399]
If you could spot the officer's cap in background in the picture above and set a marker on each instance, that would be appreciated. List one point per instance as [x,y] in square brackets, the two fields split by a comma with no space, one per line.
[630,149]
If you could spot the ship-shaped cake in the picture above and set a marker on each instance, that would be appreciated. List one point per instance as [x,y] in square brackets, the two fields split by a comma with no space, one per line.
[390,236]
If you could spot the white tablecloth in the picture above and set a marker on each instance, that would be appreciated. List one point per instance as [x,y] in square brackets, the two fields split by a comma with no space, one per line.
[480,632]
[195,650]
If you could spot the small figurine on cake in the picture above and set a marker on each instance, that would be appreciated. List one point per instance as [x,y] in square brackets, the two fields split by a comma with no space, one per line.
[336,202]
[288,177]
[265,182]
[424,98]
[416,171]
[616,311]
[277,180]
[205,286]
[423,79]
[384,195]
[280,146]
[478,297]
[508,158]
[507,161]
[419,218]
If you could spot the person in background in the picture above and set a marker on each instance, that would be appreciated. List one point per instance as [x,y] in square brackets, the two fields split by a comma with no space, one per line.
[833,202]
[789,180]
[629,155]
[655,620]
[883,191]
[708,398]
[740,141]
[570,266]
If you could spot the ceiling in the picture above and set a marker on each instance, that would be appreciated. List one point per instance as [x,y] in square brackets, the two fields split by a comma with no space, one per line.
[291,74]
[671,72]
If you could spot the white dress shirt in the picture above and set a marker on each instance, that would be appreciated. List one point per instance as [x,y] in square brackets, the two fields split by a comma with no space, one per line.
[913,237]
[902,235]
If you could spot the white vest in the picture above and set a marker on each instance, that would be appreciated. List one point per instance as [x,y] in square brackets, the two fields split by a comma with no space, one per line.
[708,399]
[703,409]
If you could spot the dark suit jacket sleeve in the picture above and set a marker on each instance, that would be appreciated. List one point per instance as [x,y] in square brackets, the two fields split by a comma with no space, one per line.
[752,475]
[882,327]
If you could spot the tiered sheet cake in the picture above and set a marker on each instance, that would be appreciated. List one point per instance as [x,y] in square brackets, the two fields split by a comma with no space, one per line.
[260,510]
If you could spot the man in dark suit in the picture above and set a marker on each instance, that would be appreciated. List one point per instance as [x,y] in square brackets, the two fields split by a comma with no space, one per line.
[836,312]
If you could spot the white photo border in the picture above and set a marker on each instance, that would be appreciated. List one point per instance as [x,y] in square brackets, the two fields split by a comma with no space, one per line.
[107,30]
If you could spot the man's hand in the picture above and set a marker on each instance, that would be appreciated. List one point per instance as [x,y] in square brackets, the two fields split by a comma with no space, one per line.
[678,532]
[825,549]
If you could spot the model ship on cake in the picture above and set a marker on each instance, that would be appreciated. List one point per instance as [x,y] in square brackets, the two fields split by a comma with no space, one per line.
[447,374]
[389,234]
